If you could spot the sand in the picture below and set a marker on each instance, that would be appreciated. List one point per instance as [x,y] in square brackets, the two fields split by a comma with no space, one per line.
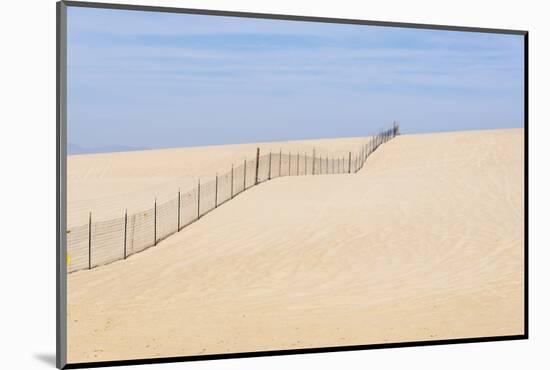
[425,242]
[106,184]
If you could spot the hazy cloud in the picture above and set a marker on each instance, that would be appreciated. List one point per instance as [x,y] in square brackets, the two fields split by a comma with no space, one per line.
[152,79]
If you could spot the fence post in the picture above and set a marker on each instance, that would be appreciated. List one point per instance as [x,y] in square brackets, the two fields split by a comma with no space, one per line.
[257,165]
[155,221]
[305,163]
[269,172]
[231,180]
[288,163]
[179,207]
[313,163]
[125,230]
[90,242]
[199,200]
[298,164]
[244,179]
[216,195]
[326,165]
[280,160]
[320,169]
[349,163]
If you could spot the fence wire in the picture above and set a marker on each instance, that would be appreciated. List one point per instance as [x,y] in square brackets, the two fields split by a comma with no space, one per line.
[102,242]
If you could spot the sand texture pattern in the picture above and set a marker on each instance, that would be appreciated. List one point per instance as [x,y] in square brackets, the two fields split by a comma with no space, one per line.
[108,183]
[425,242]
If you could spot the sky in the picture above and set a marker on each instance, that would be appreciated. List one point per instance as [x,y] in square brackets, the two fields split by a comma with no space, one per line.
[141,80]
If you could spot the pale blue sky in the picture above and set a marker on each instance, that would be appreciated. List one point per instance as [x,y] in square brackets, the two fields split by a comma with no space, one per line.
[144,79]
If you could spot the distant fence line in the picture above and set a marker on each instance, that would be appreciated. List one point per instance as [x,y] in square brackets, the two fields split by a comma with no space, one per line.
[102,242]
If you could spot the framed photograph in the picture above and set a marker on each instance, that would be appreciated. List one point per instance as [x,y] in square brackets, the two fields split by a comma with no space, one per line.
[234,184]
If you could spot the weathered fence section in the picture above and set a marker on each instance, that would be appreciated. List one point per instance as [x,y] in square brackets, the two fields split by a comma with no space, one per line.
[102,242]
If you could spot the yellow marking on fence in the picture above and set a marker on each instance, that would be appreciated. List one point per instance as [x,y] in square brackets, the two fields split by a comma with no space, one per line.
[68,259]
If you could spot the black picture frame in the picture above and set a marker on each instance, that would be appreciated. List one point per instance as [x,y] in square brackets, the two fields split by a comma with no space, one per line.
[61,191]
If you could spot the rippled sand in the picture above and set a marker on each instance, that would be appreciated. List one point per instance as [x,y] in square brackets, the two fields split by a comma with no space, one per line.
[108,183]
[425,242]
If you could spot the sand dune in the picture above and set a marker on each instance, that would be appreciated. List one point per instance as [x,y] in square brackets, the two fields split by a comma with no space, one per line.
[108,183]
[425,242]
